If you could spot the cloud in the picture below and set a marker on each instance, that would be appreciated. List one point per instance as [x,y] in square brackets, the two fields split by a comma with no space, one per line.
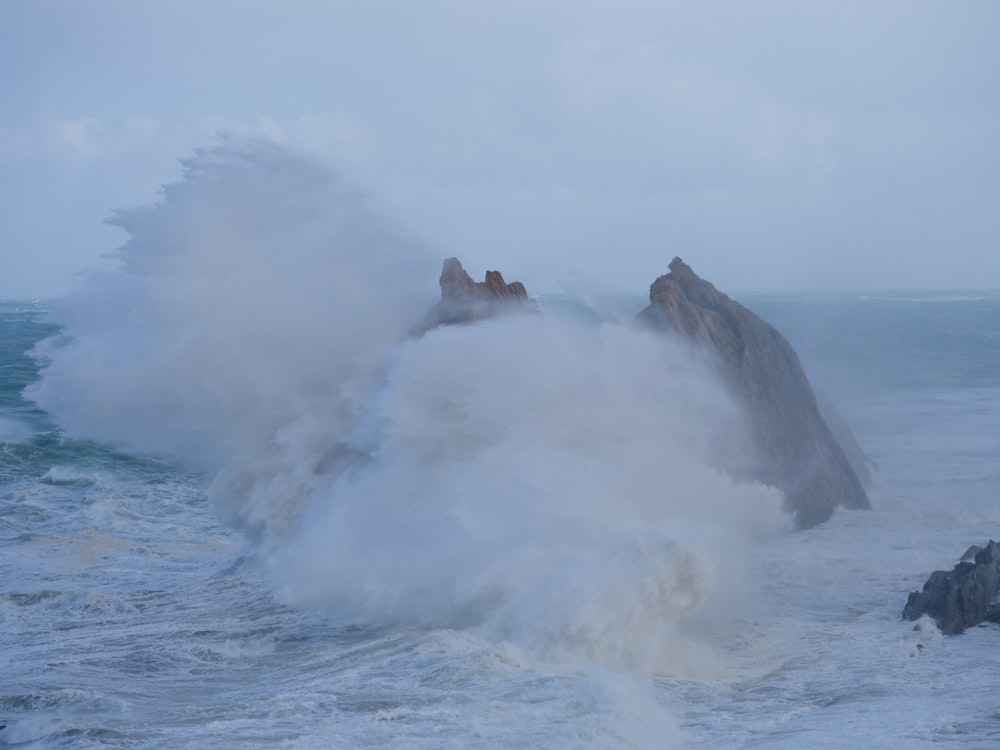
[83,138]
[140,130]
[559,129]
[91,140]
[79,140]
[692,121]
[336,136]
[14,144]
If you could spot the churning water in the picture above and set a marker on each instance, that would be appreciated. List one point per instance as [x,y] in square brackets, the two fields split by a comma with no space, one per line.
[240,507]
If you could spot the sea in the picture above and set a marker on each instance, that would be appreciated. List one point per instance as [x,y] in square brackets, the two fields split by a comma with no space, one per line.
[242,507]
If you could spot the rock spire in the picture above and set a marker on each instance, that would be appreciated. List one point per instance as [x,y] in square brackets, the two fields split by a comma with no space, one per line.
[793,449]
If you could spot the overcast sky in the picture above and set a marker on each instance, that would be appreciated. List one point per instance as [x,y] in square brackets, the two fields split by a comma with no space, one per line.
[773,145]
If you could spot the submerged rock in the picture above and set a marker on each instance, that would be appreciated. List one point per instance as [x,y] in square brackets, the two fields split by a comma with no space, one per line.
[793,448]
[466,301]
[962,597]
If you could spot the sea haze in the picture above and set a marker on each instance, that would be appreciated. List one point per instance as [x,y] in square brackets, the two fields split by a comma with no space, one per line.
[241,507]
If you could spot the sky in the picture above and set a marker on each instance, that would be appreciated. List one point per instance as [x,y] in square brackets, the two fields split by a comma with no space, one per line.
[775,145]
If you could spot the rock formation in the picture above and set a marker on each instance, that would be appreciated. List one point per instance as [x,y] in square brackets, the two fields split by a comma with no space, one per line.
[859,462]
[963,597]
[793,449]
[466,301]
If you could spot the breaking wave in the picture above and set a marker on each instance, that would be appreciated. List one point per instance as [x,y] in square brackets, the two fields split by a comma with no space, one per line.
[548,480]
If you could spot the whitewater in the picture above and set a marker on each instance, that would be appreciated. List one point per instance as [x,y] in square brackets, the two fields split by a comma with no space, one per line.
[242,506]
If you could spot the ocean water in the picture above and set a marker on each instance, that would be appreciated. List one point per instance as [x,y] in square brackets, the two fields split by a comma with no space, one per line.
[239,507]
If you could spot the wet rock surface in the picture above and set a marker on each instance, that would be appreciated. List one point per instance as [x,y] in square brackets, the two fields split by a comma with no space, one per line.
[464,300]
[963,597]
[793,448]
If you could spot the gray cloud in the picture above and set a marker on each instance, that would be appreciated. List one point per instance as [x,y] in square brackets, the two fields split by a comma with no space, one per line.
[773,144]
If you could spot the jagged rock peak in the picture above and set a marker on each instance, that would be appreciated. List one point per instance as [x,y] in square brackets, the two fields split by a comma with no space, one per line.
[679,266]
[458,286]
[464,300]
[794,449]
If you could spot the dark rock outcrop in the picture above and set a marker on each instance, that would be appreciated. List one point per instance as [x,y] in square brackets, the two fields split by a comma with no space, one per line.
[962,597]
[793,448]
[466,301]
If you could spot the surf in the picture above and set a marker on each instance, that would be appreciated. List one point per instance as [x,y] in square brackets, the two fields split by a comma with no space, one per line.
[545,480]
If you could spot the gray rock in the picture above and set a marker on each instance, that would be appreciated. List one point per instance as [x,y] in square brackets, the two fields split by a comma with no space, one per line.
[962,597]
[859,462]
[793,448]
[970,554]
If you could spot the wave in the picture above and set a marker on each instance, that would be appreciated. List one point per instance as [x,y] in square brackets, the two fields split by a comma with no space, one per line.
[549,481]
[14,431]
[71,474]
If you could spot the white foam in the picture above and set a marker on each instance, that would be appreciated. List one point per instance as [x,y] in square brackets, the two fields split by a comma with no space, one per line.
[72,474]
[553,483]
[255,294]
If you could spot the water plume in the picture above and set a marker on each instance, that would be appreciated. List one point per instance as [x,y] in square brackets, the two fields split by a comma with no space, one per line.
[546,479]
[552,482]
[252,306]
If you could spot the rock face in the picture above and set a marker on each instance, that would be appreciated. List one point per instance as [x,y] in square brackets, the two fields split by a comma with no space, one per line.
[466,301]
[860,463]
[963,597]
[794,450]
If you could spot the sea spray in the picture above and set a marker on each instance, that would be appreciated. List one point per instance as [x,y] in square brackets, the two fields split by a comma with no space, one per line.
[544,481]
[130,617]
[252,305]
[553,483]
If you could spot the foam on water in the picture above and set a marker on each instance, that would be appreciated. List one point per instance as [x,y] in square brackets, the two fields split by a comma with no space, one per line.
[557,483]
[537,481]
[71,474]
[516,533]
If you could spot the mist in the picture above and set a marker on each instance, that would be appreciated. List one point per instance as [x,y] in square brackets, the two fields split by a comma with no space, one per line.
[553,480]
[237,296]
